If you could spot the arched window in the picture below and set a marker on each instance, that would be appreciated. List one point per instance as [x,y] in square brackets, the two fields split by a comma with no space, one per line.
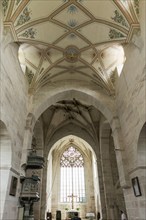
[72,176]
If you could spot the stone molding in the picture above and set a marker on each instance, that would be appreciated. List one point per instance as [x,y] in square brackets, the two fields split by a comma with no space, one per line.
[137,168]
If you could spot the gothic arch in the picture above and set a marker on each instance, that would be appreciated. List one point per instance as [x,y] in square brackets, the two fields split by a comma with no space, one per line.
[103,103]
[141,147]
[77,131]
[5,146]
[58,149]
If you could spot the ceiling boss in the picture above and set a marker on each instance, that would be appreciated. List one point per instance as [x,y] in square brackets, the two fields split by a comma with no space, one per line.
[71,54]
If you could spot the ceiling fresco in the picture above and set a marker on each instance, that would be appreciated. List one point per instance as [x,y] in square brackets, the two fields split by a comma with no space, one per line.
[69,40]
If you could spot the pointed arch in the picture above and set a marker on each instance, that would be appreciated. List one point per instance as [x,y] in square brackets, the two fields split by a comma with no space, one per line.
[141,147]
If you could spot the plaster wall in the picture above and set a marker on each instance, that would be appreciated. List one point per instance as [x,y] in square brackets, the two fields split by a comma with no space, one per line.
[11,203]
[131,110]
[13,99]
[13,102]
[130,92]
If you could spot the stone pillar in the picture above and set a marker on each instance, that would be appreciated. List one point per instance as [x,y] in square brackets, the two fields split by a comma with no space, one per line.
[26,211]
[101,187]
[27,140]
[107,179]
[121,160]
[106,166]
[44,193]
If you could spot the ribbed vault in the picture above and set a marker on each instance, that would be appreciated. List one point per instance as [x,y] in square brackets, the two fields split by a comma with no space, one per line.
[71,39]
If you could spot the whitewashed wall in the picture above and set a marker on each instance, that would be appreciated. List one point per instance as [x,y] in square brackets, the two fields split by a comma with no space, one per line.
[13,104]
[131,103]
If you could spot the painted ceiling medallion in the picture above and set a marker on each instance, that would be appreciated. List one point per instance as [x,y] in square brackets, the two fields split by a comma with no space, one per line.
[72,9]
[72,23]
[71,54]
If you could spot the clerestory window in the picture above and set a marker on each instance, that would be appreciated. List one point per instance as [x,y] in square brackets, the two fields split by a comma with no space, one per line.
[72,176]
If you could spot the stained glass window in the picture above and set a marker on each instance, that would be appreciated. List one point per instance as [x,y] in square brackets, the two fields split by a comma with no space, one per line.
[72,176]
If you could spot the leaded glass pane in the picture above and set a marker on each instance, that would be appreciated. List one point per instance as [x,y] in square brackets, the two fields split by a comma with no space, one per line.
[72,176]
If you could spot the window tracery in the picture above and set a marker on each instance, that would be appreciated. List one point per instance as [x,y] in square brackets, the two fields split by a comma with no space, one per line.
[72,176]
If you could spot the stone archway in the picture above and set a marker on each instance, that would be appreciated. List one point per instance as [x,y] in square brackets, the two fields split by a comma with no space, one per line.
[105,105]
[141,150]
[54,155]
[62,132]
[102,102]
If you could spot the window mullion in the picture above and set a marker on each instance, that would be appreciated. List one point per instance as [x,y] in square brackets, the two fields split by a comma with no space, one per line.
[72,161]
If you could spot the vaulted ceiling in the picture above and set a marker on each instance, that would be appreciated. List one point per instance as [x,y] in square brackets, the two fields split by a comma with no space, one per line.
[68,117]
[71,40]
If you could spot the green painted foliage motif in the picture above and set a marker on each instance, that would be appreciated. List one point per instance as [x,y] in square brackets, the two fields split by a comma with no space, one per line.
[136,6]
[119,18]
[30,33]
[29,75]
[5,5]
[72,36]
[17,2]
[24,17]
[123,1]
[80,1]
[72,23]
[72,9]
[113,34]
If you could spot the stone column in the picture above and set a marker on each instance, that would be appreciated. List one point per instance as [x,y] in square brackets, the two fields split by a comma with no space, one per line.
[108,184]
[121,160]
[26,211]
[107,179]
[101,187]
[44,193]
[27,140]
